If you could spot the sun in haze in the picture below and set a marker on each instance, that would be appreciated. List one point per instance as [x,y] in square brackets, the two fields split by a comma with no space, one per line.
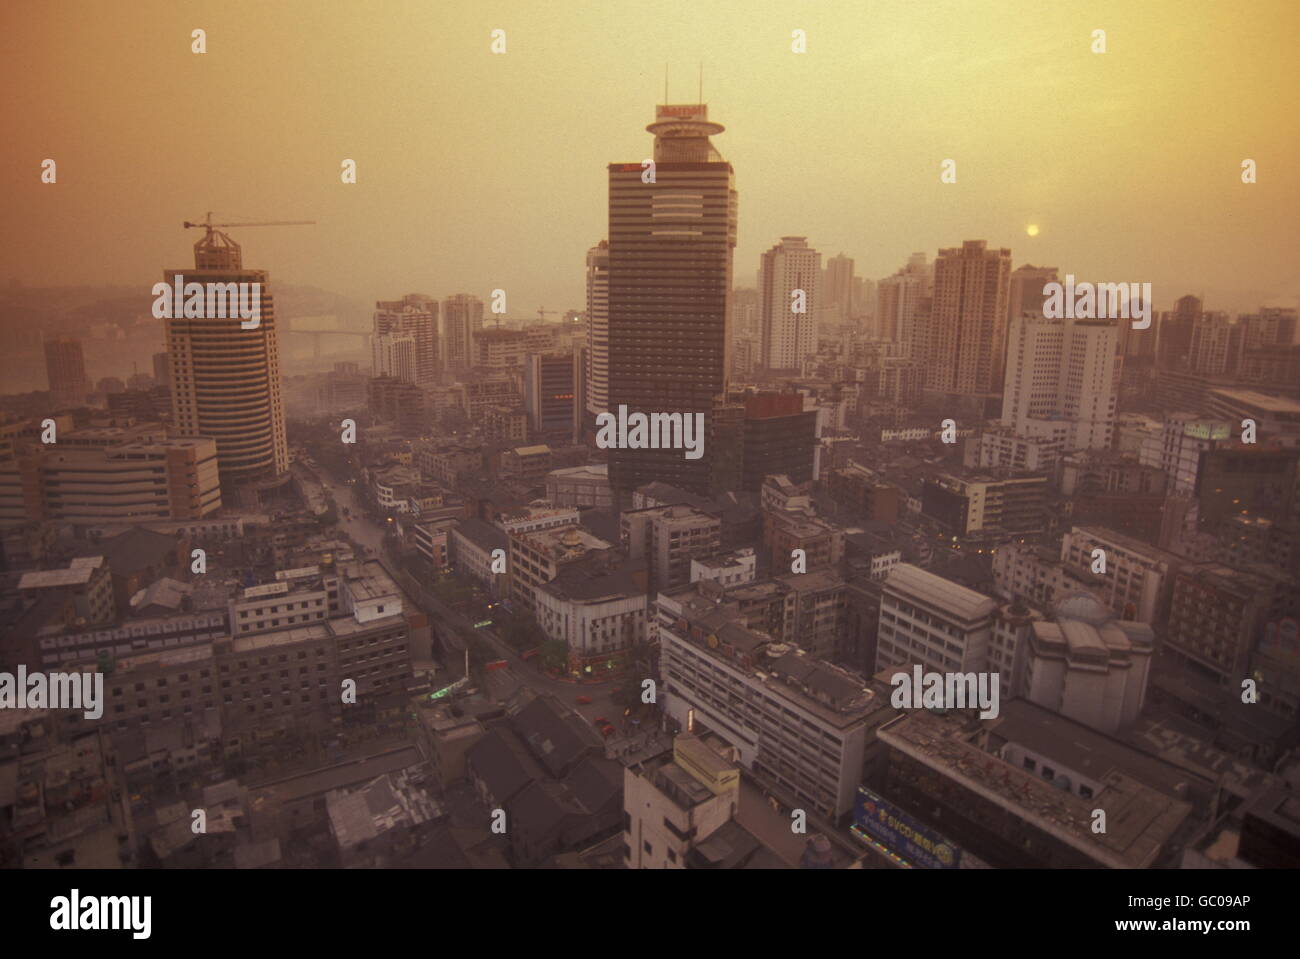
[1032,229]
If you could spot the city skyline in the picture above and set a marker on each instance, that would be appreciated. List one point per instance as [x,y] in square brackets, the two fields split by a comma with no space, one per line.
[876,203]
[480,509]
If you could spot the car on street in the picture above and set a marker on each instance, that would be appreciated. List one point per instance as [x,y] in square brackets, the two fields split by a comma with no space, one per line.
[601,721]
[583,700]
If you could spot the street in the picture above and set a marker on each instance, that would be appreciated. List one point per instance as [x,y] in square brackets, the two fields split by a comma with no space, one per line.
[364,531]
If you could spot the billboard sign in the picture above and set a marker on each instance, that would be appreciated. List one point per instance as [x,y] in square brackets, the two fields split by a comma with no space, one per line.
[899,832]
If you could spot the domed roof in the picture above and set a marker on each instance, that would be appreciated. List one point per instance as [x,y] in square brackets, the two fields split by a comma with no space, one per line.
[1083,607]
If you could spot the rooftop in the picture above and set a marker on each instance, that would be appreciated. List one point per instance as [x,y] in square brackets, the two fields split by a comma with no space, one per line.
[48,578]
[1140,818]
[1263,401]
[936,591]
[483,535]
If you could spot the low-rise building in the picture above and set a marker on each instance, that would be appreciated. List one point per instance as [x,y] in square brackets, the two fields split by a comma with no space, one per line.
[986,505]
[928,620]
[529,464]
[600,615]
[473,545]
[725,569]
[668,538]
[784,531]
[537,557]
[1023,790]
[580,486]
[674,804]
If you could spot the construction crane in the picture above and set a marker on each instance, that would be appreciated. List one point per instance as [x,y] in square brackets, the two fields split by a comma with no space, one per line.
[541,313]
[210,226]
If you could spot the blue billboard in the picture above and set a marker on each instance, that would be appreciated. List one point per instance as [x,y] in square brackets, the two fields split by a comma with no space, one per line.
[894,829]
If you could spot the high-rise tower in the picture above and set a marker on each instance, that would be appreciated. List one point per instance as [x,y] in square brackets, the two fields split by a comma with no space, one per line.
[65,368]
[899,301]
[597,398]
[414,315]
[672,235]
[1174,349]
[1061,380]
[1025,290]
[789,327]
[225,380]
[837,288]
[967,340]
[462,317]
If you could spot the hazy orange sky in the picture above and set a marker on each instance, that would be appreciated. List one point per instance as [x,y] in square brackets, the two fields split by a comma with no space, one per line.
[478,171]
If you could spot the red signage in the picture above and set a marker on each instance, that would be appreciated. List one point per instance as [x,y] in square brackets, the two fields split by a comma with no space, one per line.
[693,111]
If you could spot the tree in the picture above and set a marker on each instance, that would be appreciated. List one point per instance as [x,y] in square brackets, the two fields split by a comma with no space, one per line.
[450,591]
[522,633]
[554,654]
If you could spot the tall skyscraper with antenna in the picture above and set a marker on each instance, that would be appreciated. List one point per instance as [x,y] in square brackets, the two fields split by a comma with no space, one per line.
[672,236]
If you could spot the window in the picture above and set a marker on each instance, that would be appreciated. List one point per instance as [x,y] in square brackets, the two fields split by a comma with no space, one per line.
[1030,764]
[646,846]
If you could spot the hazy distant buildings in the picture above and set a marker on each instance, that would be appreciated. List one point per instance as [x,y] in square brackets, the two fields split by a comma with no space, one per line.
[161,373]
[838,287]
[670,270]
[498,349]
[1025,290]
[745,304]
[789,279]
[462,317]
[966,345]
[899,300]
[398,402]
[1174,345]
[597,398]
[395,356]
[225,379]
[65,368]
[1271,326]
[414,316]
[1215,348]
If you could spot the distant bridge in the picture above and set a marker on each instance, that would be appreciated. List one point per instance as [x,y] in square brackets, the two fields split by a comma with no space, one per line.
[316,333]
